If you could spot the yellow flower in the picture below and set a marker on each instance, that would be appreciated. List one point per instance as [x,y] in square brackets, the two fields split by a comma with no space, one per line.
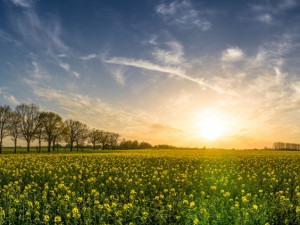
[255,207]
[244,199]
[57,219]
[192,204]
[46,218]
[67,197]
[196,221]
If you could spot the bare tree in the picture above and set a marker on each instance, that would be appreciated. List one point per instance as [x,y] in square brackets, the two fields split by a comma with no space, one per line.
[74,130]
[5,113]
[94,137]
[29,121]
[51,123]
[82,138]
[39,135]
[59,133]
[103,138]
[14,129]
[113,139]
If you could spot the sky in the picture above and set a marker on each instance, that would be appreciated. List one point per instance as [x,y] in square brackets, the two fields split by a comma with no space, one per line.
[165,72]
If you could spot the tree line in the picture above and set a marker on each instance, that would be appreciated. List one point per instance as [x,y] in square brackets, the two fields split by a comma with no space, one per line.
[286,146]
[28,123]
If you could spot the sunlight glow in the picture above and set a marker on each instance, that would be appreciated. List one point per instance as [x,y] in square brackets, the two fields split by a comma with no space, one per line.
[211,128]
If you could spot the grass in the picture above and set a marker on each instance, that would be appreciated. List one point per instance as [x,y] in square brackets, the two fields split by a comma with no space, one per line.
[150,187]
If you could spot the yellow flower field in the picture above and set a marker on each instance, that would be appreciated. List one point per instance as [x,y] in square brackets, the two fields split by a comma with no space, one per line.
[151,187]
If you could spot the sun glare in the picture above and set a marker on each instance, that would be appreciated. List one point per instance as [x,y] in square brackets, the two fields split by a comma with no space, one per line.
[211,128]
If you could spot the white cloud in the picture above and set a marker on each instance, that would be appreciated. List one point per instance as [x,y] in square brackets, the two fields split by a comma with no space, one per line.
[232,54]
[183,14]
[173,56]
[22,3]
[88,57]
[76,74]
[65,66]
[118,75]
[11,99]
[265,18]
[62,55]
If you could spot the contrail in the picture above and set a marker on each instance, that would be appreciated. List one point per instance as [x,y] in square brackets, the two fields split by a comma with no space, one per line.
[153,67]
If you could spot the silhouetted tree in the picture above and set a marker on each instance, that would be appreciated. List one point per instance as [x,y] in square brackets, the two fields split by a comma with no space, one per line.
[94,137]
[113,139]
[59,133]
[39,135]
[51,122]
[144,145]
[5,113]
[29,121]
[103,138]
[74,130]
[135,145]
[14,128]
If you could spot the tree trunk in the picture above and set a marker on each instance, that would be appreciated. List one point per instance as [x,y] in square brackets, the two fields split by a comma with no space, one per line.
[77,146]
[94,146]
[28,146]
[53,147]
[71,145]
[16,145]
[40,145]
[49,146]
[1,146]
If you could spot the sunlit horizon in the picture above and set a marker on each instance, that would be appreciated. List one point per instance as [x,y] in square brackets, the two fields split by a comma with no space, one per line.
[180,72]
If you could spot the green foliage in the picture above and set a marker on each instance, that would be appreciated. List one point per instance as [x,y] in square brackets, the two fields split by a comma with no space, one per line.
[151,187]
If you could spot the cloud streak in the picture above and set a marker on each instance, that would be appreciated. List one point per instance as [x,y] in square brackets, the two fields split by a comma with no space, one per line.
[65,66]
[143,64]
[88,57]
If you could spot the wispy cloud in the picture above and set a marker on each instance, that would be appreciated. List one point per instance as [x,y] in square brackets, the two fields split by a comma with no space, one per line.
[118,75]
[36,73]
[6,37]
[143,64]
[37,31]
[88,57]
[76,74]
[11,99]
[265,18]
[232,54]
[183,14]
[267,12]
[23,3]
[65,66]
[62,55]
[100,114]
[173,56]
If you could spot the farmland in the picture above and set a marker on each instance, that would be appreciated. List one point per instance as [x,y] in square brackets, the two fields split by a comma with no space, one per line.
[151,187]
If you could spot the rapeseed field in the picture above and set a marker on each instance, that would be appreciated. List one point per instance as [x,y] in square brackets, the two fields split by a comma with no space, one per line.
[151,187]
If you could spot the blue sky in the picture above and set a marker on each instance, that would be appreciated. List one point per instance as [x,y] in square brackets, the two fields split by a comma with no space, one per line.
[158,70]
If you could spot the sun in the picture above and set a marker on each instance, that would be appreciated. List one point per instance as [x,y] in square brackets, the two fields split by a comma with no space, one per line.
[211,128]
